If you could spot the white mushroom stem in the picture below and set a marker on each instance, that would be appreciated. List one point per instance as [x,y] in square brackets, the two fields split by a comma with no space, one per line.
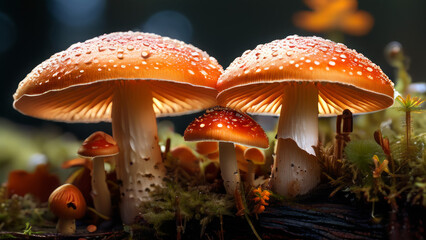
[296,170]
[228,167]
[250,172]
[139,165]
[65,226]
[100,192]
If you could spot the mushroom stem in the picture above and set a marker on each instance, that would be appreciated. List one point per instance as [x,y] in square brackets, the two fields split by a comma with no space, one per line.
[139,164]
[250,172]
[228,167]
[100,192]
[65,226]
[296,170]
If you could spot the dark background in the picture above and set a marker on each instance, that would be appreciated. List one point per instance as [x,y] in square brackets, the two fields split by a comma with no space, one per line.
[31,31]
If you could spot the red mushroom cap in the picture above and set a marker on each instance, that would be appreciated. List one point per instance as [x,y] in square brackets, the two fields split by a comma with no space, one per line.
[98,144]
[344,78]
[226,125]
[67,202]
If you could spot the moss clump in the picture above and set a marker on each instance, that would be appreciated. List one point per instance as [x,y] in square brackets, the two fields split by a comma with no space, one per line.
[16,211]
[359,153]
[173,204]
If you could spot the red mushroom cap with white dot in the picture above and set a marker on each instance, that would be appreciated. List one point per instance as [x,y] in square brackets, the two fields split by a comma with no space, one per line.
[226,125]
[344,78]
[98,144]
[76,85]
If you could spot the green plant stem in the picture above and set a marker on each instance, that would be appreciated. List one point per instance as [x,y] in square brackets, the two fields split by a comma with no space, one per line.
[408,128]
[252,227]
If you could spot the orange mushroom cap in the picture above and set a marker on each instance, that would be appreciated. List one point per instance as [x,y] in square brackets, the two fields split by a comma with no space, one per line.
[226,125]
[255,155]
[187,159]
[76,85]
[98,144]
[206,148]
[241,161]
[67,202]
[213,156]
[344,78]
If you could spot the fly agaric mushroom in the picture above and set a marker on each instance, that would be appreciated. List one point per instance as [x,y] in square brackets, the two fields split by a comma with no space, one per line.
[254,156]
[99,146]
[299,78]
[227,126]
[68,204]
[129,79]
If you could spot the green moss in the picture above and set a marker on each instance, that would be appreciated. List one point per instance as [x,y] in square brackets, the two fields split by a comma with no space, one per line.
[360,153]
[191,203]
[16,211]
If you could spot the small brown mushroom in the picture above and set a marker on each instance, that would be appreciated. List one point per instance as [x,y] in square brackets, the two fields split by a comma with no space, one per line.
[68,204]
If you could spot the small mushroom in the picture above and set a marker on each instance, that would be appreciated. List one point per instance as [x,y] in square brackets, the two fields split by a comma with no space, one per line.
[98,147]
[254,156]
[208,149]
[68,204]
[299,78]
[187,159]
[227,126]
[205,148]
[241,161]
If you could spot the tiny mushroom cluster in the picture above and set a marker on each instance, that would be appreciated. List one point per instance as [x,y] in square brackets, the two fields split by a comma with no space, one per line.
[298,78]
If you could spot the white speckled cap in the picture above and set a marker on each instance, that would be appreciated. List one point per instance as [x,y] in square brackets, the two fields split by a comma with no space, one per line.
[345,79]
[76,85]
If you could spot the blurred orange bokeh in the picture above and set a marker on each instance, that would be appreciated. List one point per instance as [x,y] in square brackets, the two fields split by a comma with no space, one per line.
[334,15]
